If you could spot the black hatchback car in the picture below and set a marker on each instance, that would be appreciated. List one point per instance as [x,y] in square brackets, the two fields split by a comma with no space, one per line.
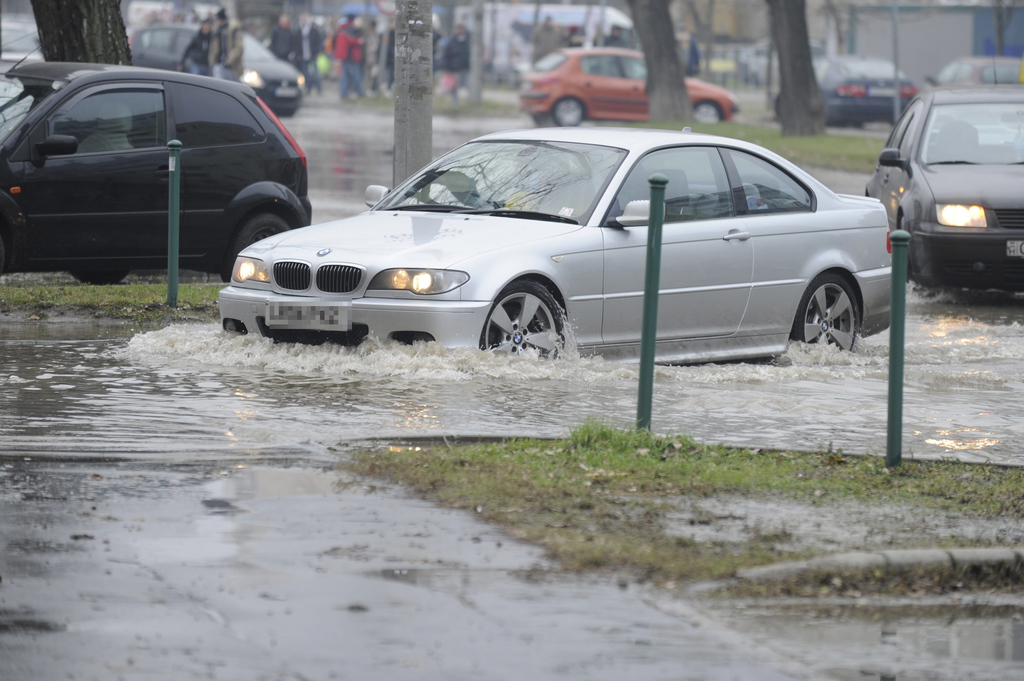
[952,174]
[84,170]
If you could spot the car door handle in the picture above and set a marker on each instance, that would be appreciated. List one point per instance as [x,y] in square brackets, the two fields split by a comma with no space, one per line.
[162,171]
[736,235]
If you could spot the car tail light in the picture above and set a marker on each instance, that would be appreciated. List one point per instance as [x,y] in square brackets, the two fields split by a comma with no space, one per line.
[852,90]
[907,91]
[284,131]
[888,242]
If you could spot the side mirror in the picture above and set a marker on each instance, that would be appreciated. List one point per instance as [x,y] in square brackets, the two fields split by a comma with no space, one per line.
[57,145]
[636,214]
[374,194]
[891,158]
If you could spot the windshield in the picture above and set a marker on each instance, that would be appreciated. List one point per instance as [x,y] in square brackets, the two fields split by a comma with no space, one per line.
[984,133]
[553,178]
[18,96]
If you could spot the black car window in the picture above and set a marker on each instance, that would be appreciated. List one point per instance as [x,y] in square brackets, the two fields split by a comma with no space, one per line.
[207,118]
[767,188]
[114,120]
[697,189]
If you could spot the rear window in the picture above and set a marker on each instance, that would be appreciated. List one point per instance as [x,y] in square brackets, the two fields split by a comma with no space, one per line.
[207,118]
[1004,74]
[549,62]
[869,70]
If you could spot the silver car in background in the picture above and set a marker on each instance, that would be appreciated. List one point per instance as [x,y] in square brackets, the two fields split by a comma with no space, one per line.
[523,241]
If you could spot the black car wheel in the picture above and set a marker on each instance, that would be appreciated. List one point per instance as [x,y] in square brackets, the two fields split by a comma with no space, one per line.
[827,313]
[524,316]
[3,254]
[254,229]
[100,277]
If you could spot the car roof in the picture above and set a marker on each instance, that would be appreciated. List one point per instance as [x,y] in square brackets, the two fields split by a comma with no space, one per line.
[68,72]
[971,94]
[632,139]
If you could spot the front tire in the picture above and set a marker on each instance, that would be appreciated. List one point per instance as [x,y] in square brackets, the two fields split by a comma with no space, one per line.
[827,313]
[256,228]
[524,316]
[568,112]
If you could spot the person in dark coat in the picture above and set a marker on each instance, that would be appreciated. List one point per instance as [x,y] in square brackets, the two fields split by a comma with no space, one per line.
[455,61]
[282,39]
[197,54]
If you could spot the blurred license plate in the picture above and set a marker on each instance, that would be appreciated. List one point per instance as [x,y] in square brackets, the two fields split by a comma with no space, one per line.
[333,316]
[1014,250]
[881,92]
[287,92]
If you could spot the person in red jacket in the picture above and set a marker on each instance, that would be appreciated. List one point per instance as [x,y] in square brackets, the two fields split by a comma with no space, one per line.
[348,50]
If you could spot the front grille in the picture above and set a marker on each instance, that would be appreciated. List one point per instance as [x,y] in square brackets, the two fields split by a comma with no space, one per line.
[1010,218]
[338,278]
[293,276]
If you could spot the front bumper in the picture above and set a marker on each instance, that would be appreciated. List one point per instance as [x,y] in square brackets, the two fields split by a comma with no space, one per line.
[968,258]
[452,323]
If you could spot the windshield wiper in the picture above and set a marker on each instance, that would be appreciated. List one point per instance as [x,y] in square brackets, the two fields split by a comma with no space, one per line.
[953,163]
[512,213]
[426,207]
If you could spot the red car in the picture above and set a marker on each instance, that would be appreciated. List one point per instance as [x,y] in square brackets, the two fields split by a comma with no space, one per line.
[572,85]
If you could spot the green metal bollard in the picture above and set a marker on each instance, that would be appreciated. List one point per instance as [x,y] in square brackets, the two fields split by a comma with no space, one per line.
[173,220]
[897,325]
[652,281]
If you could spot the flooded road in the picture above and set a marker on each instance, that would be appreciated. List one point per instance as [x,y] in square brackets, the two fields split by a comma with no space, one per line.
[171,498]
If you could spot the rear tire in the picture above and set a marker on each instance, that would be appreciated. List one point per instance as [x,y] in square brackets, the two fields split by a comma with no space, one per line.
[568,112]
[706,111]
[256,228]
[101,277]
[827,313]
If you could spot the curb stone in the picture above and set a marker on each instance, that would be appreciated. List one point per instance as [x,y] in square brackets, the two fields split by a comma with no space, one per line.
[888,560]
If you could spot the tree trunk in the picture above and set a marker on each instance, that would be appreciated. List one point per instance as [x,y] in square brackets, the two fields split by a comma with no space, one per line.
[801,108]
[666,80]
[414,88]
[82,31]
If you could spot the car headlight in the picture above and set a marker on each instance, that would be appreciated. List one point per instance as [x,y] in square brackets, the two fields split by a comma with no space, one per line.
[253,79]
[249,269]
[301,81]
[423,282]
[957,215]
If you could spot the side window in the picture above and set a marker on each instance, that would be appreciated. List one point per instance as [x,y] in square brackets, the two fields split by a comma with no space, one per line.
[207,118]
[114,120]
[698,187]
[159,40]
[600,65]
[767,188]
[634,68]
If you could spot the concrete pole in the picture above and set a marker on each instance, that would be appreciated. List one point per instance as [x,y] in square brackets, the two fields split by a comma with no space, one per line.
[414,87]
[476,55]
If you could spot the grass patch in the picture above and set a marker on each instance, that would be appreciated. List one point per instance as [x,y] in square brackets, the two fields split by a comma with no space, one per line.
[140,302]
[839,152]
[598,500]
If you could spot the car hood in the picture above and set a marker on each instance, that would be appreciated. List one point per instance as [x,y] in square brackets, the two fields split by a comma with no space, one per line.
[996,186]
[272,70]
[406,239]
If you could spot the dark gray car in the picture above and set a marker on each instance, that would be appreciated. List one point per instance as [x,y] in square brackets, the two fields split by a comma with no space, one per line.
[951,174]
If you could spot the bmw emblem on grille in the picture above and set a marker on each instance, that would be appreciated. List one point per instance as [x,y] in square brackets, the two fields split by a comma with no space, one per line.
[323,251]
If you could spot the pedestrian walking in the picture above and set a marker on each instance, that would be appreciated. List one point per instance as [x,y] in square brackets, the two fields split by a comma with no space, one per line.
[311,46]
[283,40]
[546,39]
[226,48]
[197,54]
[455,62]
[348,50]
